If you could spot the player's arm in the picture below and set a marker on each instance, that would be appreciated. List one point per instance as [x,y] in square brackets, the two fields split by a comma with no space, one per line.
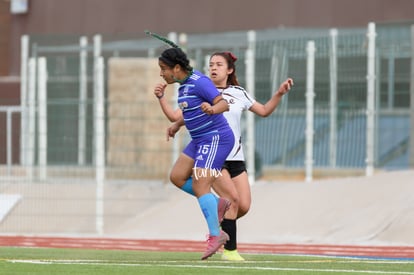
[169,112]
[220,105]
[265,110]
[214,103]
[174,128]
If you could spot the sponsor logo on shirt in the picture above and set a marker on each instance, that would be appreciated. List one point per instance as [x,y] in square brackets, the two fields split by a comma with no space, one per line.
[183,105]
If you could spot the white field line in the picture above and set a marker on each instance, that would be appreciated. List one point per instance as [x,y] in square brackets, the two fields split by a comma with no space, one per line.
[163,264]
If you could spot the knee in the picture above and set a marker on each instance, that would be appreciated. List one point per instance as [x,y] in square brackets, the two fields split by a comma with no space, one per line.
[235,204]
[235,200]
[176,179]
[243,209]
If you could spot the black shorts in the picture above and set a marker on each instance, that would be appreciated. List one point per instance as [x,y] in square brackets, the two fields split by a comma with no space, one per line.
[235,167]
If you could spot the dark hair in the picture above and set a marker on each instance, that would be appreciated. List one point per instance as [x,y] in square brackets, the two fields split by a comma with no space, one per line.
[174,56]
[231,60]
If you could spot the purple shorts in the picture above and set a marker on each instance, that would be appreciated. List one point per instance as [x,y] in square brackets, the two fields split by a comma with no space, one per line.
[210,151]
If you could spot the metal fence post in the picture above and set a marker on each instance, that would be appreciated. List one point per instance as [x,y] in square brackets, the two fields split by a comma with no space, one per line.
[83,96]
[411,153]
[42,117]
[24,63]
[99,122]
[30,118]
[370,100]
[333,75]
[250,81]
[97,52]
[176,141]
[310,94]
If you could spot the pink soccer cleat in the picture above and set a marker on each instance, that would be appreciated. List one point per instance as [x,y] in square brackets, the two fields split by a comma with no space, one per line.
[214,243]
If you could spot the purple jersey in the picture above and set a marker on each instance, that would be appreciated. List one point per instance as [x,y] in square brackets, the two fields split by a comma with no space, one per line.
[197,89]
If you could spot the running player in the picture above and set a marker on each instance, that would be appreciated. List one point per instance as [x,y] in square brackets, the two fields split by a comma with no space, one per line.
[201,106]
[222,72]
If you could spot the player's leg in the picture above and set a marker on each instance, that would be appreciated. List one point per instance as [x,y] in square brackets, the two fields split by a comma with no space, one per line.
[241,183]
[182,170]
[237,170]
[225,188]
[211,155]
[209,207]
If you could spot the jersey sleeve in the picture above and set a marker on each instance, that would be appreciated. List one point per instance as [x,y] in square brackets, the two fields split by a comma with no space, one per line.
[208,92]
[247,99]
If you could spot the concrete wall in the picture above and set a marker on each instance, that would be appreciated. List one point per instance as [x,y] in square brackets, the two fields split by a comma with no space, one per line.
[135,119]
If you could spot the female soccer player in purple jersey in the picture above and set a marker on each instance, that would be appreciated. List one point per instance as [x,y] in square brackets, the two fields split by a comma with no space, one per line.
[222,71]
[212,140]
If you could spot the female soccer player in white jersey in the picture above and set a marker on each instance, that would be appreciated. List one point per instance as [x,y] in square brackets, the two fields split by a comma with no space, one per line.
[222,71]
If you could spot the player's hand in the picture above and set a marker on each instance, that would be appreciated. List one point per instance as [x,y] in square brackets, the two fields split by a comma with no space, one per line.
[207,108]
[172,130]
[159,89]
[285,86]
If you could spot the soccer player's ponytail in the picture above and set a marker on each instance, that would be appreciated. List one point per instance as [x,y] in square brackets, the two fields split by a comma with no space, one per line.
[174,55]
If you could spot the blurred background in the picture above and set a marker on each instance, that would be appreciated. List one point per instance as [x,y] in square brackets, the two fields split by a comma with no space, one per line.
[81,133]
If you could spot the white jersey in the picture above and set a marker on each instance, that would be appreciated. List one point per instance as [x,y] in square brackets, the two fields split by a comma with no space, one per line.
[239,100]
